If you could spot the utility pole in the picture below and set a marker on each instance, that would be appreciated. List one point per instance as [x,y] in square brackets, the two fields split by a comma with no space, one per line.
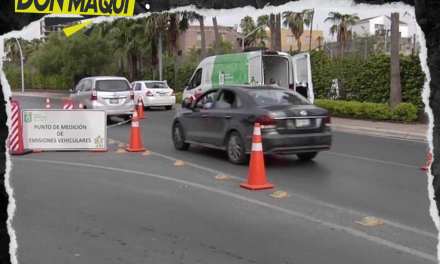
[395,85]
[22,65]
[311,27]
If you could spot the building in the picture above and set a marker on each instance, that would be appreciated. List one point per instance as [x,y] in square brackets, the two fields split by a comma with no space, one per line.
[378,28]
[192,38]
[289,43]
[378,25]
[45,31]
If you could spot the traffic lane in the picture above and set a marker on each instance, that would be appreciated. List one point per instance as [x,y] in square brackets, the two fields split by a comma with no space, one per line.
[28,102]
[406,152]
[102,215]
[411,153]
[380,189]
[137,162]
[157,136]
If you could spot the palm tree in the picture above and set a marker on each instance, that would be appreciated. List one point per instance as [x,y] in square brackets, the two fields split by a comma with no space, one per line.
[156,24]
[308,21]
[217,36]
[201,20]
[247,25]
[263,22]
[295,22]
[272,27]
[342,27]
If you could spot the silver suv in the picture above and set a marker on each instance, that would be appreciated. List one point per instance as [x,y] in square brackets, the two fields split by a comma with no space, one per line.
[109,93]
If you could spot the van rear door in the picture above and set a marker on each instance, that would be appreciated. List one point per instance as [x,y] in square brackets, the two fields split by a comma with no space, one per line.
[255,67]
[302,72]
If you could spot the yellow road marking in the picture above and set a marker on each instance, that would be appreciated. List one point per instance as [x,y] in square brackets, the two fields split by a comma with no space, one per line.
[280,194]
[369,221]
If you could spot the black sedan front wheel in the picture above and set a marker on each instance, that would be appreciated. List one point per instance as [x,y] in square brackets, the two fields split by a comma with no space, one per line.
[179,137]
[236,149]
[307,156]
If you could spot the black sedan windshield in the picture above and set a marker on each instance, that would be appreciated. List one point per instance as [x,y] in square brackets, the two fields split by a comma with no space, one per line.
[277,97]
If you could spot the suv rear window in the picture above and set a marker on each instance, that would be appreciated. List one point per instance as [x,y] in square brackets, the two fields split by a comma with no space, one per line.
[112,85]
[156,85]
[268,97]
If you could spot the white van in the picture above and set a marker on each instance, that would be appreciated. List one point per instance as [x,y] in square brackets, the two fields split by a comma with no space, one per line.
[258,67]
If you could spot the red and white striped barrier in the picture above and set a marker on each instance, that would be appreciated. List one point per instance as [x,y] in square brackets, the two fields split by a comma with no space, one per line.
[68,104]
[15,144]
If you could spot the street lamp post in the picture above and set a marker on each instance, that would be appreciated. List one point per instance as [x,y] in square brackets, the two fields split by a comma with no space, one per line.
[22,66]
[243,38]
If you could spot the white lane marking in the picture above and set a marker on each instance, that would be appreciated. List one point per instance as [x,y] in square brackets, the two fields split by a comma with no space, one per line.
[348,230]
[312,200]
[372,160]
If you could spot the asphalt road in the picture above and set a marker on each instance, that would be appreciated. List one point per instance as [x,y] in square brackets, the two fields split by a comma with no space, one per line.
[361,176]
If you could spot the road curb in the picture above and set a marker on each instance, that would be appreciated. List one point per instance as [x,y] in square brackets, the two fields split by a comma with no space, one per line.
[379,132]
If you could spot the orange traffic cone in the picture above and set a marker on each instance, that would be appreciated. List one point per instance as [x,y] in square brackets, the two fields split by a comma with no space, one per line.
[80,106]
[428,164]
[47,103]
[135,137]
[257,170]
[140,109]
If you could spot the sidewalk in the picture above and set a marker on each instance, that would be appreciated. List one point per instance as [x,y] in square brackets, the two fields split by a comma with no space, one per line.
[382,129]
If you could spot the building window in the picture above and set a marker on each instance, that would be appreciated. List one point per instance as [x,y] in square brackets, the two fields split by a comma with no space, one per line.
[289,39]
[378,26]
[199,36]
[308,39]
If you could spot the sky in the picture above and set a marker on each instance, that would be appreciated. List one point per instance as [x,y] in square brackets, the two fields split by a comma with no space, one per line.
[33,31]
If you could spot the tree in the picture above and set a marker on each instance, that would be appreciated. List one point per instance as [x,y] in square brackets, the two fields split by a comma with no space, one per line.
[217,36]
[308,21]
[396,89]
[278,22]
[272,26]
[342,28]
[294,22]
[201,20]
[263,22]
[156,24]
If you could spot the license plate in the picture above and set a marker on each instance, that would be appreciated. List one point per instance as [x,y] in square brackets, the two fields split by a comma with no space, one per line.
[114,101]
[162,94]
[302,122]
[290,124]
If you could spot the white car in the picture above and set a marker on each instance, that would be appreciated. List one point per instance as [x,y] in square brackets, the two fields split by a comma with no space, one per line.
[154,94]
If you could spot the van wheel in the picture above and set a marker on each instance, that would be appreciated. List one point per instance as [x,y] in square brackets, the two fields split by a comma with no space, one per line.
[307,156]
[179,137]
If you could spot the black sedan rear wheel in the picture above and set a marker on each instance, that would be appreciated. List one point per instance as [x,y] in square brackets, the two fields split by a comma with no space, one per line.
[307,156]
[179,137]
[236,149]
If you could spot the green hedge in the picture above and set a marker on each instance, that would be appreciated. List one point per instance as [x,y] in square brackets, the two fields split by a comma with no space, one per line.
[367,80]
[405,112]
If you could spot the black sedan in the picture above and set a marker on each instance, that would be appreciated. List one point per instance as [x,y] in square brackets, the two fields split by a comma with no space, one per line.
[224,118]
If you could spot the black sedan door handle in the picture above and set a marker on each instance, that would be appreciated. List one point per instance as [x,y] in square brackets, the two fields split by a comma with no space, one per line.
[228,117]
[204,116]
